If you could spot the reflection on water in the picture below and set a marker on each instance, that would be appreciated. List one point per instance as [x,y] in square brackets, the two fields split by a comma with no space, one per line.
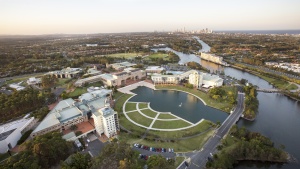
[191,109]
[278,117]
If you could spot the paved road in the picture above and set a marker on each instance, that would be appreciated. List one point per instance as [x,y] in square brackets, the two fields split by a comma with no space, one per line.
[199,158]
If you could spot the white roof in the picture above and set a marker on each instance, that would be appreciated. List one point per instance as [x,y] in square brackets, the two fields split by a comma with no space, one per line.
[154,68]
[18,124]
[63,111]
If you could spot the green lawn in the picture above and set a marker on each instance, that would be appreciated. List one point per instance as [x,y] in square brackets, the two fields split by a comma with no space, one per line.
[223,105]
[117,95]
[280,84]
[149,112]
[195,143]
[178,161]
[130,106]
[61,82]
[158,55]
[138,118]
[170,124]
[125,55]
[130,126]
[120,101]
[77,92]
[203,126]
[143,105]
[166,116]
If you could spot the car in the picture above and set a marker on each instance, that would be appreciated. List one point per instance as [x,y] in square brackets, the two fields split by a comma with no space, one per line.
[169,150]
[88,140]
[172,150]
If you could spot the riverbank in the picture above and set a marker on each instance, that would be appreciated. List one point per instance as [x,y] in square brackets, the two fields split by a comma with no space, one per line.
[271,81]
[243,145]
[223,104]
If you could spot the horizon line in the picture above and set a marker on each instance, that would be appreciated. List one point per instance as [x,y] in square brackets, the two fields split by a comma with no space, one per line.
[144,32]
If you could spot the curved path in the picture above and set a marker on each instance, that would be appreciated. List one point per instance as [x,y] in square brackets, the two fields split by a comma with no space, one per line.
[155,118]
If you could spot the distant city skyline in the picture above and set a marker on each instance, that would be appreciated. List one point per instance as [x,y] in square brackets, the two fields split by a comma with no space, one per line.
[31,17]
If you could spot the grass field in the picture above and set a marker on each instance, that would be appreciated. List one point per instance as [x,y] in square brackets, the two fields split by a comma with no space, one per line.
[77,92]
[130,106]
[157,55]
[280,84]
[138,118]
[178,161]
[143,105]
[125,55]
[170,124]
[166,116]
[120,101]
[201,127]
[224,105]
[179,146]
[130,126]
[149,112]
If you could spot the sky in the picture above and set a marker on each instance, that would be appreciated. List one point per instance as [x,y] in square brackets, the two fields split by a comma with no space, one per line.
[31,17]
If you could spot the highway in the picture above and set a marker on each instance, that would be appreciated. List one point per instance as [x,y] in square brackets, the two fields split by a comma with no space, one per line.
[198,159]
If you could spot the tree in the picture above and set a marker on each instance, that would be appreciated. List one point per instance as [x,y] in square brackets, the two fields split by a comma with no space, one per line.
[48,81]
[158,161]
[73,127]
[116,155]
[41,152]
[77,161]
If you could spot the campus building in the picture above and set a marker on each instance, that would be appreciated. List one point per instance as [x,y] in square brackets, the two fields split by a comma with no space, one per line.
[154,69]
[92,108]
[116,79]
[196,78]
[121,66]
[34,81]
[10,133]
[66,73]
[213,58]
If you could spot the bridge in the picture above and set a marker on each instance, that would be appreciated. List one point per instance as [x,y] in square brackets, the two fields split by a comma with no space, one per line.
[198,159]
[268,90]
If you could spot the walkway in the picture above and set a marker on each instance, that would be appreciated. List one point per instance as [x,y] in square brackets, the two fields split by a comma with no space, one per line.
[155,118]
[127,89]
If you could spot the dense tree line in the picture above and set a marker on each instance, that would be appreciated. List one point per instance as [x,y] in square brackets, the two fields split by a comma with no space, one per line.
[42,152]
[247,146]
[120,155]
[219,94]
[251,102]
[20,103]
[196,66]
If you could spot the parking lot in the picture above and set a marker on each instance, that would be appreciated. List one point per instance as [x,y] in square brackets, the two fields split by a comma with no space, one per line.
[147,152]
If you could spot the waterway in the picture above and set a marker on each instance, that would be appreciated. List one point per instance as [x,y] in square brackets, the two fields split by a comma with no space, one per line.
[278,116]
[178,103]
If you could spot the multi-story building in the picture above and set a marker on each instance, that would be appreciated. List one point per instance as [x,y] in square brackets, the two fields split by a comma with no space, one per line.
[199,79]
[116,79]
[66,73]
[213,58]
[90,106]
[154,69]
[196,78]
[121,66]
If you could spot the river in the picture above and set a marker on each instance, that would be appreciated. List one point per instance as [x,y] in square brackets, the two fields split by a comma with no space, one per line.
[278,116]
